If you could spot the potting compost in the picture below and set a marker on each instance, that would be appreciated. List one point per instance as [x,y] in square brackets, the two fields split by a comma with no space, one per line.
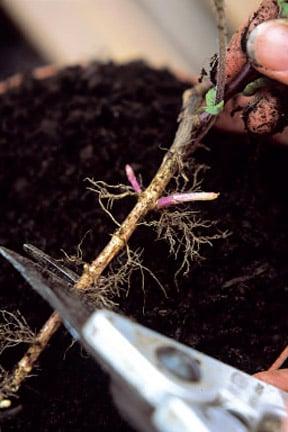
[89,122]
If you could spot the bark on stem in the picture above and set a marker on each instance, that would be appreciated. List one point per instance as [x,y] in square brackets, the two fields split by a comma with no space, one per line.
[147,201]
[222,35]
[189,132]
[191,128]
[26,364]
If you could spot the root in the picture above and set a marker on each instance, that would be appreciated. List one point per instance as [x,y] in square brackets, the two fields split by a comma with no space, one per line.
[14,330]
[182,230]
[10,383]
[110,193]
[118,279]
[189,175]
[76,259]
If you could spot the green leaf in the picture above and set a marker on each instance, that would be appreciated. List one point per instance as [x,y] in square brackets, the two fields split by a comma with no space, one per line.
[215,109]
[211,107]
[283,8]
[210,96]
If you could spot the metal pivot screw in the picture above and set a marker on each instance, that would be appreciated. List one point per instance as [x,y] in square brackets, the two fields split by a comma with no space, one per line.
[179,364]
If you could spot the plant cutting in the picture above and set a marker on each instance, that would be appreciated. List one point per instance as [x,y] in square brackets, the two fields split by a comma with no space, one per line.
[209,103]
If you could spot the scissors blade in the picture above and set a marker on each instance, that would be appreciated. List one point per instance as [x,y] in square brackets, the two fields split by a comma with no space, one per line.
[158,384]
[47,261]
[55,290]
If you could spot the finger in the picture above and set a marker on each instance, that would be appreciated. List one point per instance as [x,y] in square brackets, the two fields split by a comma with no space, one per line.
[259,115]
[267,48]
[231,120]
[235,57]
[277,378]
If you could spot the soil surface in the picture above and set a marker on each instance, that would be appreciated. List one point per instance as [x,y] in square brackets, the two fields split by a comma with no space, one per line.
[89,123]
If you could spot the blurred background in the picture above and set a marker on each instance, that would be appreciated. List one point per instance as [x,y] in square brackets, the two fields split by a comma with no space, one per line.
[177,33]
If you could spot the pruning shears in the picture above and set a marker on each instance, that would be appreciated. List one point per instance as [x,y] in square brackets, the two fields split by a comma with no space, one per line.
[158,384]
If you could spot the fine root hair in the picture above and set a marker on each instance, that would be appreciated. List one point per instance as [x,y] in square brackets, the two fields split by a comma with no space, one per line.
[190,176]
[110,194]
[77,258]
[186,233]
[119,279]
[14,330]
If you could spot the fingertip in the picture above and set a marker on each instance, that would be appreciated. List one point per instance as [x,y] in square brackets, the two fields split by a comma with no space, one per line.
[267,49]
[277,378]
[281,76]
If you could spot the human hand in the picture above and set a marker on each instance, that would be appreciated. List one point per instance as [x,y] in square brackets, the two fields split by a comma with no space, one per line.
[267,51]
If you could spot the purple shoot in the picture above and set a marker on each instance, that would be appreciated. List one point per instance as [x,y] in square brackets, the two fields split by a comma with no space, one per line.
[174,199]
[132,179]
[179,198]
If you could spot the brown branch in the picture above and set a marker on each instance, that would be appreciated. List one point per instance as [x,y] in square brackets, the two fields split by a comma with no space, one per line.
[191,130]
[222,36]
[26,364]
[188,133]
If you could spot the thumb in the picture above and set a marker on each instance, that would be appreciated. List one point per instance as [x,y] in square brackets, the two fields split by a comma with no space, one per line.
[267,49]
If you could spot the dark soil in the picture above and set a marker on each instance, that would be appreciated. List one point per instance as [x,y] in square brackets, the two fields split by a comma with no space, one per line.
[56,132]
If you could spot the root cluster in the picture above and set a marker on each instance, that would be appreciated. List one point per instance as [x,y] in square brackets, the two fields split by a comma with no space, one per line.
[14,330]
[110,194]
[118,279]
[186,233]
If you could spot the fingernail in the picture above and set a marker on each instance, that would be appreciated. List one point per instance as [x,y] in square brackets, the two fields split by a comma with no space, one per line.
[267,45]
